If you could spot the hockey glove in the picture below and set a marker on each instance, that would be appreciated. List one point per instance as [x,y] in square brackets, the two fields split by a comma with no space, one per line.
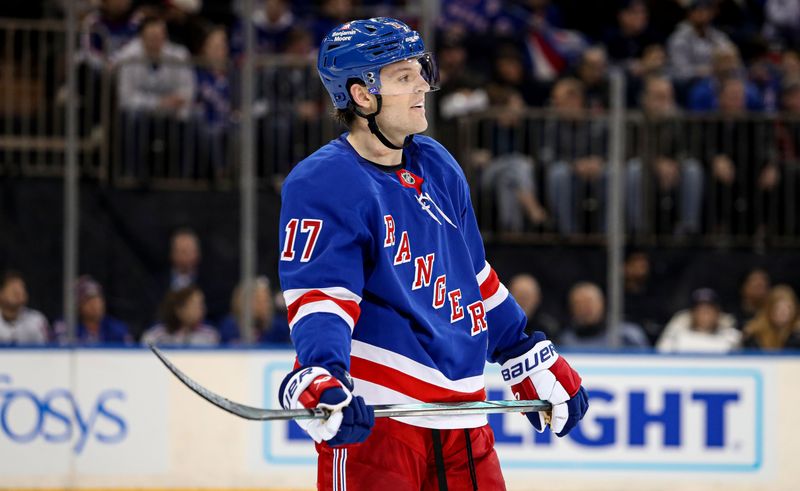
[350,419]
[534,370]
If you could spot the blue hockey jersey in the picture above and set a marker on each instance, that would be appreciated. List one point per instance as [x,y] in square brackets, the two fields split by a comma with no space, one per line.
[384,275]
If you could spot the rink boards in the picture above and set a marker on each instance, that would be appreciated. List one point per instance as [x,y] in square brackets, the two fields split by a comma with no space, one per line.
[97,418]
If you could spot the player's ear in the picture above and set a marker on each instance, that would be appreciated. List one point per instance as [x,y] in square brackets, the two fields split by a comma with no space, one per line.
[362,98]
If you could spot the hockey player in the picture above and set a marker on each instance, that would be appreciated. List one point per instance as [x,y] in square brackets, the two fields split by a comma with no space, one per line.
[390,298]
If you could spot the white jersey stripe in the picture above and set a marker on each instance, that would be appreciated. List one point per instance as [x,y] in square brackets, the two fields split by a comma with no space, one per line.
[291,296]
[481,277]
[497,298]
[415,369]
[327,306]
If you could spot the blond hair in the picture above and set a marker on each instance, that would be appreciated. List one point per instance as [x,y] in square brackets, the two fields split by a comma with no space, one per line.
[761,329]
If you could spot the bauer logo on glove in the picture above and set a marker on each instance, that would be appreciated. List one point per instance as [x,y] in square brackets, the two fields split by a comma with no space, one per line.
[548,352]
[534,370]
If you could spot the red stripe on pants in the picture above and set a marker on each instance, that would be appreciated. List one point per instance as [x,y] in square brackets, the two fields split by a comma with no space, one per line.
[399,457]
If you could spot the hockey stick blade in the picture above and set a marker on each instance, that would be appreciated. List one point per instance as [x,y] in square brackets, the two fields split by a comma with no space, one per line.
[381,411]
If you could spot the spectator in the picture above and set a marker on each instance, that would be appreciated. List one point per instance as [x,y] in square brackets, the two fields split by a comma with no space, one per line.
[461,88]
[644,303]
[184,256]
[267,328]
[587,327]
[573,151]
[182,314]
[481,19]
[154,76]
[509,71]
[725,64]
[790,97]
[783,212]
[753,292]
[777,324]
[739,149]
[627,41]
[741,21]
[214,102]
[272,21]
[509,178]
[593,72]
[550,50]
[664,166]
[94,325]
[292,100]
[184,24]
[652,63]
[790,65]
[185,269]
[765,78]
[18,323]
[526,291]
[155,88]
[105,30]
[782,22]
[702,328]
[691,45]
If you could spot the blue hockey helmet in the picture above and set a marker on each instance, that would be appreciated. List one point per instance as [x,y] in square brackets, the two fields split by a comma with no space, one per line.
[360,48]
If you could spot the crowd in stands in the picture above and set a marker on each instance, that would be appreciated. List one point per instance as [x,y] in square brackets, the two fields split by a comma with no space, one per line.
[714,86]
[763,317]
[192,311]
[176,67]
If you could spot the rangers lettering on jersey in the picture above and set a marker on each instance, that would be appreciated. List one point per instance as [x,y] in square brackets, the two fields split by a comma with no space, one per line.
[389,223]
[456,310]
[423,269]
[363,302]
[439,292]
[403,250]
[477,314]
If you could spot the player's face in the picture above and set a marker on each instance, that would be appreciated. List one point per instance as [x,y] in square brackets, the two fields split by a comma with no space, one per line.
[403,90]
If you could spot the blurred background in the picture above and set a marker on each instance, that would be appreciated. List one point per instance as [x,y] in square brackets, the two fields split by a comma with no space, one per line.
[622,155]
[634,164]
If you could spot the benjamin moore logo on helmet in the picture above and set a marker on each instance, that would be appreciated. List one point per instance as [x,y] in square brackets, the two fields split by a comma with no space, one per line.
[339,34]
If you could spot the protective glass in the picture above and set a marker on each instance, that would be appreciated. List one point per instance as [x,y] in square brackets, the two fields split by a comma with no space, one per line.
[404,77]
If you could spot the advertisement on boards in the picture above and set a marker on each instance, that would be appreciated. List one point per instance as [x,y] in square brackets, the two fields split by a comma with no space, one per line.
[90,413]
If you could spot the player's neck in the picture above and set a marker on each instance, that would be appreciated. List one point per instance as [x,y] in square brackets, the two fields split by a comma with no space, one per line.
[369,147]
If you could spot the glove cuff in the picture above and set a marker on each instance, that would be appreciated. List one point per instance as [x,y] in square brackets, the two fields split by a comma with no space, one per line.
[520,348]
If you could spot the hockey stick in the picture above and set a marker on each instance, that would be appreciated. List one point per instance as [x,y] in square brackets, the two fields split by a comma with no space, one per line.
[381,411]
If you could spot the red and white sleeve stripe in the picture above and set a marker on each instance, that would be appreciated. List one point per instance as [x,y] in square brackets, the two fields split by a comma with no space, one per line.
[334,300]
[493,292]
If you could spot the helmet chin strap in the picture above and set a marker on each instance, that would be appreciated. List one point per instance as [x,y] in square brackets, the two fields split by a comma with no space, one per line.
[373,125]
